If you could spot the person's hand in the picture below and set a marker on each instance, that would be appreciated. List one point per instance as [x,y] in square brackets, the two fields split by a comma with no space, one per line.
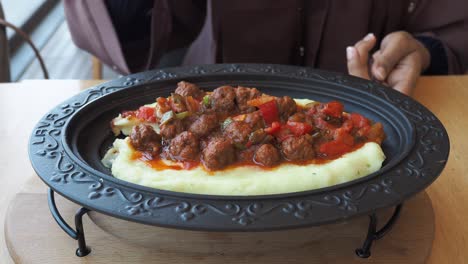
[398,63]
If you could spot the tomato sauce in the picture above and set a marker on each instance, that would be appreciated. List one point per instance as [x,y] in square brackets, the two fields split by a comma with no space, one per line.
[155,163]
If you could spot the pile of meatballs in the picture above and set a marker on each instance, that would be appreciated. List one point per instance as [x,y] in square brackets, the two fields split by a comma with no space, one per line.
[221,128]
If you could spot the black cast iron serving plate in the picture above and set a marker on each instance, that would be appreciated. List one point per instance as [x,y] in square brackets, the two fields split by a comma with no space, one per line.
[68,143]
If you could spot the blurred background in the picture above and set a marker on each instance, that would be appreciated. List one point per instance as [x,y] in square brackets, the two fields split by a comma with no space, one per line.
[44,22]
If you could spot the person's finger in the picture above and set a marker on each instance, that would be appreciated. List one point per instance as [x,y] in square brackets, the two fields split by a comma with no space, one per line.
[405,76]
[355,65]
[406,85]
[394,47]
[364,46]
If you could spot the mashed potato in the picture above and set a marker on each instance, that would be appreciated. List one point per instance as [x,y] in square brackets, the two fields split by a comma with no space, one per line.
[250,180]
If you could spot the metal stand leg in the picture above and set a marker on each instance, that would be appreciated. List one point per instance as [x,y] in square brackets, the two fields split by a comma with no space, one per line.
[82,250]
[373,234]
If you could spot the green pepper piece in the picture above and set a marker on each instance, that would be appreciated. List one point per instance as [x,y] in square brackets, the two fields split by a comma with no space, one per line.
[182,115]
[206,100]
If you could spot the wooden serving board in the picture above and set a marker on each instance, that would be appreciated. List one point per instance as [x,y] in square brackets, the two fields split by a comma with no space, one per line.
[33,237]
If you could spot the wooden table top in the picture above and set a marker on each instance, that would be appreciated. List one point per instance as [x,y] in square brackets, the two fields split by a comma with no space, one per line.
[23,104]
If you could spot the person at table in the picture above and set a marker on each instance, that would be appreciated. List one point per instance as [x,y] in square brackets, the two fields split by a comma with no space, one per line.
[392,41]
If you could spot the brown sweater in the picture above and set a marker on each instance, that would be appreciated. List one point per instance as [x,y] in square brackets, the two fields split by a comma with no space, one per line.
[300,32]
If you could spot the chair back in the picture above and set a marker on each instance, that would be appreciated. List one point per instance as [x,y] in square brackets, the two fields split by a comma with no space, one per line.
[4,52]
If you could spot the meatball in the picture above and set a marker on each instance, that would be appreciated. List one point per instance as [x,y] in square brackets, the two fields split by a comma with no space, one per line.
[184,146]
[267,155]
[188,89]
[144,138]
[172,128]
[286,106]
[204,125]
[255,120]
[243,95]
[223,99]
[297,148]
[247,154]
[218,154]
[238,132]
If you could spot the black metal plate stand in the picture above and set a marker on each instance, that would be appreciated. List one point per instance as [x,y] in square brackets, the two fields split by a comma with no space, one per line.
[78,233]
[373,234]
[83,250]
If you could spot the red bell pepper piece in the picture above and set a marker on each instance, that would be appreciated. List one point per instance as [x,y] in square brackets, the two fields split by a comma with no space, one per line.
[333,108]
[359,121]
[146,113]
[342,142]
[341,135]
[269,111]
[348,125]
[275,127]
[299,128]
[334,148]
